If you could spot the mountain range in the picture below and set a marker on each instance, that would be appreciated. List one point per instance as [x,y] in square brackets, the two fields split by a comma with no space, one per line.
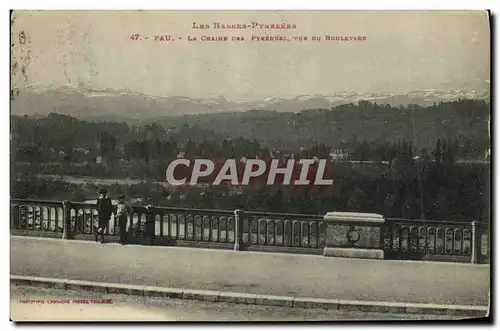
[87,103]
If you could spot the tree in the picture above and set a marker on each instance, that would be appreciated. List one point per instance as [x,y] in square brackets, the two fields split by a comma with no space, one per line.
[450,151]
[438,152]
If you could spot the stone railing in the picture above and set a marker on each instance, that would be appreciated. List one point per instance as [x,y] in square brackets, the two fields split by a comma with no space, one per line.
[335,234]
[467,241]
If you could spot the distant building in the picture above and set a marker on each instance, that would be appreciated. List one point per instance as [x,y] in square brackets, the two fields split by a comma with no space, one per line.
[83,150]
[487,154]
[339,154]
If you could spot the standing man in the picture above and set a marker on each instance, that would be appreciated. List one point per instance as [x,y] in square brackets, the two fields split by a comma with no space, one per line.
[105,209]
[123,209]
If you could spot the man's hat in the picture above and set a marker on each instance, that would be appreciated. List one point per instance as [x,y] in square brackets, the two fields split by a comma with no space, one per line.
[103,191]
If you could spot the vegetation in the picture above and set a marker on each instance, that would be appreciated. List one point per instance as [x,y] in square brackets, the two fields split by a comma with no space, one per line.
[414,153]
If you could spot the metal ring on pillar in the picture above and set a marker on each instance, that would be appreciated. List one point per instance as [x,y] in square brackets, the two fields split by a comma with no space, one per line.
[353,236]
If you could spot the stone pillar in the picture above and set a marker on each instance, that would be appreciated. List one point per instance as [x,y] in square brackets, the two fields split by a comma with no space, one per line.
[66,220]
[238,228]
[475,243]
[150,224]
[354,235]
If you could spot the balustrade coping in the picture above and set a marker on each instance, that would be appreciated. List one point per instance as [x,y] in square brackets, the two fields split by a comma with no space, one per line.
[29,201]
[409,221]
[257,213]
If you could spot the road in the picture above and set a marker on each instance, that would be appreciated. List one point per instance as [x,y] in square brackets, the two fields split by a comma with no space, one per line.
[134,308]
[253,272]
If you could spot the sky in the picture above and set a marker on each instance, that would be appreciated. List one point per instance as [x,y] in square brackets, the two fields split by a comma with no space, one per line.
[403,52]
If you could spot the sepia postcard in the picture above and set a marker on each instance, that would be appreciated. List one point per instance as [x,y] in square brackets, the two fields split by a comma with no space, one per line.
[253,166]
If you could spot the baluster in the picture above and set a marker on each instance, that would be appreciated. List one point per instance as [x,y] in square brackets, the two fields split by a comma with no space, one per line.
[422,234]
[66,220]
[223,220]
[296,231]
[414,238]
[245,229]
[181,220]
[304,238]
[435,241]
[26,217]
[157,225]
[18,217]
[197,220]
[456,234]
[441,236]
[280,233]
[313,241]
[189,227]
[321,234]
[56,219]
[219,229]
[475,242]
[288,233]
[275,227]
[463,242]
[174,221]
[265,229]
[172,230]
[167,225]
[204,222]
[208,220]
[390,233]
[52,219]
[231,225]
[432,239]
[162,217]
[36,218]
[309,234]
[411,246]
[214,224]
[400,233]
[271,232]
[255,233]
[263,234]
[446,232]
[30,217]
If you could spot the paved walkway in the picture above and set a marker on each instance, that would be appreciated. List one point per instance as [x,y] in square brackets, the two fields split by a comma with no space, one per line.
[253,272]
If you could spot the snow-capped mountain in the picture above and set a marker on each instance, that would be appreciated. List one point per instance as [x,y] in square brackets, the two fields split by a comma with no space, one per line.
[82,102]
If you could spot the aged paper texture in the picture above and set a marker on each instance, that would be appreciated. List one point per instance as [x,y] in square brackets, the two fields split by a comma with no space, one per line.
[250,165]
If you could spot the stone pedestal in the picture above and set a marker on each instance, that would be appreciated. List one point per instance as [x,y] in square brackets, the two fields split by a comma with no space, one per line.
[354,235]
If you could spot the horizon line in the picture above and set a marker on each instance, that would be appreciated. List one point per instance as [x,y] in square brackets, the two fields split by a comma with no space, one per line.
[46,87]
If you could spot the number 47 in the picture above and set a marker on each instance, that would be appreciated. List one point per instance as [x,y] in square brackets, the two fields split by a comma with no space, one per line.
[134,37]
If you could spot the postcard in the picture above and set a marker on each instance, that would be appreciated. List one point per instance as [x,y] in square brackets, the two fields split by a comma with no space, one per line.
[250,165]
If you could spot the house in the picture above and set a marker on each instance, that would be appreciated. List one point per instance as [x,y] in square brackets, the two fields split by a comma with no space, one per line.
[339,154]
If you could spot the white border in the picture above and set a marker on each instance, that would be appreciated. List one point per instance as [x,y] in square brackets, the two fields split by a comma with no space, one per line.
[257,4]
[186,4]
